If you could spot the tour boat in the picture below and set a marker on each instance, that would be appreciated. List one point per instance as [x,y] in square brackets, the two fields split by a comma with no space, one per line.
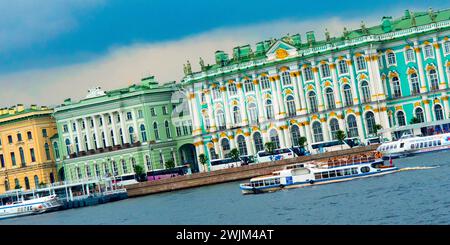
[29,207]
[409,145]
[312,173]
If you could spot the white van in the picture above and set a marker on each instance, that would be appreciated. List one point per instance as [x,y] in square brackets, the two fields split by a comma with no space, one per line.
[278,154]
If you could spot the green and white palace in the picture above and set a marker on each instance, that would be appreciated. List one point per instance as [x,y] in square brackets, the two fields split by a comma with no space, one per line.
[288,88]
[109,133]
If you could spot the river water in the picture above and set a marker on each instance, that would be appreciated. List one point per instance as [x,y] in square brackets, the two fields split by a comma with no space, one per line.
[419,196]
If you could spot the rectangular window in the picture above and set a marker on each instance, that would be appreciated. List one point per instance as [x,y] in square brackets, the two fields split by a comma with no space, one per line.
[164,109]
[10,139]
[140,114]
[153,112]
[44,133]
[65,128]
[129,116]
[178,131]
[33,156]
[2,161]
[74,127]
[19,137]
[13,159]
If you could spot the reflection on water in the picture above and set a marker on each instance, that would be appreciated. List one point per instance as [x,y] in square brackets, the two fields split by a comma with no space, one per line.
[417,196]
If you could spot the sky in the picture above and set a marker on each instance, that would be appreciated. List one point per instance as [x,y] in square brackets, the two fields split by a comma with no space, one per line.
[53,49]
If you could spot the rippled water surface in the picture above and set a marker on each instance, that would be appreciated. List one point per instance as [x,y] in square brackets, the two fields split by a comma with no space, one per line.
[406,197]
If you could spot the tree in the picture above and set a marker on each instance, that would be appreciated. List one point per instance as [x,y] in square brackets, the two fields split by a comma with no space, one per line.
[170,164]
[203,159]
[377,127]
[235,154]
[414,120]
[42,184]
[302,141]
[340,136]
[139,172]
[17,187]
[269,147]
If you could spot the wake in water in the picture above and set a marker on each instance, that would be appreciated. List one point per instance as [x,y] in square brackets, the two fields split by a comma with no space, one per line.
[416,168]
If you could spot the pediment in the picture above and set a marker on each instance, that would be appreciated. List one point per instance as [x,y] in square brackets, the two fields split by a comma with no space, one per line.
[281,50]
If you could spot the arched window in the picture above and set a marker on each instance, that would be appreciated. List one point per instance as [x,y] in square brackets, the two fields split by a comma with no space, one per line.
[317,132]
[88,171]
[269,109]
[334,128]
[121,136]
[432,74]
[124,166]
[274,138]
[220,119]
[236,115]
[365,91]
[242,147]
[143,133]
[331,103]
[115,168]
[213,154]
[131,133]
[225,143]
[265,83]
[290,105]
[325,69]
[257,139]
[409,53]
[22,156]
[286,78]
[343,67]
[112,138]
[397,91]
[446,47]
[133,163]
[77,145]
[419,114]
[27,183]
[17,184]
[312,101]
[168,132]
[415,87]
[148,163]
[438,112]
[206,121]
[156,131]
[428,51]
[68,146]
[216,92]
[370,122]
[391,58]
[7,187]
[36,181]
[360,63]
[308,74]
[29,135]
[248,84]
[232,89]
[401,118]
[253,113]
[352,126]
[56,149]
[348,97]
[47,151]
[295,134]
[52,178]
[104,139]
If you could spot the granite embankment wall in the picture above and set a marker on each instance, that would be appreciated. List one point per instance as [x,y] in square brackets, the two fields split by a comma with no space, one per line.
[230,174]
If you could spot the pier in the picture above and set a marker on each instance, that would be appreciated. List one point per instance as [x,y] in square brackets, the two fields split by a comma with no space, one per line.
[230,174]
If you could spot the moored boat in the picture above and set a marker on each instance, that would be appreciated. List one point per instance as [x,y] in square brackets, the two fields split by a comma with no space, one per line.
[312,173]
[29,207]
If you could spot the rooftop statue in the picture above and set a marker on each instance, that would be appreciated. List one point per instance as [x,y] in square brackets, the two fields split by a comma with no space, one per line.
[95,92]
[202,64]
[187,68]
[327,35]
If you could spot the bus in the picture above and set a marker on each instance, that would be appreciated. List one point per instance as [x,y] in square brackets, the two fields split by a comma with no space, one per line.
[278,154]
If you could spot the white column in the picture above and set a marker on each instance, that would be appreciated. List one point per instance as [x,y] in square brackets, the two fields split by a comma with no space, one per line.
[123,128]
[336,89]
[281,137]
[298,105]
[361,130]
[423,87]
[375,71]
[325,129]
[226,102]
[97,133]
[88,133]
[353,81]
[135,125]
[259,99]
[212,119]
[72,138]
[442,83]
[279,98]
[319,91]
[242,106]
[79,136]
[371,80]
[195,112]
[114,129]
[105,130]
[309,137]
[287,137]
[248,143]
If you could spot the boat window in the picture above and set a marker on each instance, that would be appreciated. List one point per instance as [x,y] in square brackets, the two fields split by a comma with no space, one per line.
[401,145]
[365,169]
[421,144]
[417,145]
[439,142]
[340,172]
[434,143]
[277,181]
[324,175]
[347,171]
[354,170]
[317,176]
[332,174]
[412,146]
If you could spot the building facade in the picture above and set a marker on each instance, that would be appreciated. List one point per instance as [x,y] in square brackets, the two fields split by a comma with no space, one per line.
[109,133]
[26,155]
[288,88]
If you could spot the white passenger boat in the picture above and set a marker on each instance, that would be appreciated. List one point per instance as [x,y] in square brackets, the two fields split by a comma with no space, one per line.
[312,173]
[409,145]
[29,207]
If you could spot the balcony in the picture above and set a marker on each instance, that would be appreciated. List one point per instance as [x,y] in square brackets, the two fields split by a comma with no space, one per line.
[104,150]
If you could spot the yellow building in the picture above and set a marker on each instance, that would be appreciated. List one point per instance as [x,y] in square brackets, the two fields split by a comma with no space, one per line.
[26,155]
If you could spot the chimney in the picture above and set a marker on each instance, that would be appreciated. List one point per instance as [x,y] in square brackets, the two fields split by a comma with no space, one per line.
[12,110]
[43,108]
[33,107]
[20,108]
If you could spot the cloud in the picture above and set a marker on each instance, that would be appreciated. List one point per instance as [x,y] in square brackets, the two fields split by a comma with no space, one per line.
[122,66]
[27,22]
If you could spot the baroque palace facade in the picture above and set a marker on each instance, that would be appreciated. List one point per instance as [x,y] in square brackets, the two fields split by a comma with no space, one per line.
[381,75]
[26,158]
[108,133]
